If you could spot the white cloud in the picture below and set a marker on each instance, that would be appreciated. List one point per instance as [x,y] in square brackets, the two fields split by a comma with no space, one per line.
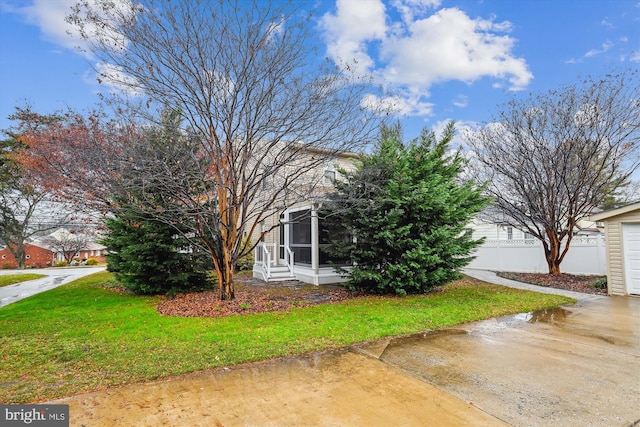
[410,8]
[116,81]
[450,46]
[49,16]
[461,127]
[606,23]
[400,105]
[424,48]
[593,52]
[635,56]
[348,30]
[461,101]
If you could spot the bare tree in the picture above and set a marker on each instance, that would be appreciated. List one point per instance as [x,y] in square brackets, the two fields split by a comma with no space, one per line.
[246,77]
[551,158]
[67,242]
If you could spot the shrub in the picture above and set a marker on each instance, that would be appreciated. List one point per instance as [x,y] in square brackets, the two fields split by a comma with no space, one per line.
[60,264]
[7,266]
[246,262]
[147,258]
[402,215]
[92,261]
[599,283]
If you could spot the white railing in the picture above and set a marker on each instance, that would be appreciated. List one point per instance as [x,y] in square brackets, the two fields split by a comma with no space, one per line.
[289,259]
[263,259]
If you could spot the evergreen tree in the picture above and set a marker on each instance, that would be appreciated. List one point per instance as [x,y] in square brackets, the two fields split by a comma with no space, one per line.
[148,256]
[149,251]
[404,212]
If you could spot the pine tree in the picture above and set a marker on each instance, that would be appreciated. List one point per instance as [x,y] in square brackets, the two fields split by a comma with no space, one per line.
[404,212]
[148,257]
[149,252]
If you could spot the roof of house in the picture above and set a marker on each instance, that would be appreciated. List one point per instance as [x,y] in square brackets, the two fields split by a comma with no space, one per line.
[615,212]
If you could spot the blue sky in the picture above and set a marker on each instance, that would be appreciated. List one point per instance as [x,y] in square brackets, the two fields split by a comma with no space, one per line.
[446,60]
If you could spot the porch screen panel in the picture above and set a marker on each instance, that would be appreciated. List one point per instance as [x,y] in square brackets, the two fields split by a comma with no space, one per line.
[300,236]
[328,232]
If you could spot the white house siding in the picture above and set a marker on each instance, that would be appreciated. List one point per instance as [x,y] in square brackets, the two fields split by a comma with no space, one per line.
[320,182]
[493,231]
[615,250]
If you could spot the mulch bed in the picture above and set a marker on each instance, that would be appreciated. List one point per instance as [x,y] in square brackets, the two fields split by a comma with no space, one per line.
[251,297]
[569,282]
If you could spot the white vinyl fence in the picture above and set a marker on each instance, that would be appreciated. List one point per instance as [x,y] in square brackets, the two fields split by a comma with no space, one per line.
[587,255]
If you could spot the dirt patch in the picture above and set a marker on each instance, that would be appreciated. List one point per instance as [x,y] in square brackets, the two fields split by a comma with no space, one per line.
[253,296]
[569,282]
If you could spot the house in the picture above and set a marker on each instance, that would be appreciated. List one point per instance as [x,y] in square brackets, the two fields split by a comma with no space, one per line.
[35,257]
[45,251]
[72,244]
[295,246]
[507,248]
[622,231]
[493,225]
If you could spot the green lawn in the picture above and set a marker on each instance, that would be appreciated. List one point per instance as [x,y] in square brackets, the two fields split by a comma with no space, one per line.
[81,336]
[10,279]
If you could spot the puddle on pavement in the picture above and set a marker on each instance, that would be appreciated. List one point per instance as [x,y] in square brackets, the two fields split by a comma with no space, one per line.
[550,315]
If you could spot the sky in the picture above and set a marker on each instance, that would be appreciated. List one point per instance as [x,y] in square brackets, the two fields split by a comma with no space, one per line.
[445,59]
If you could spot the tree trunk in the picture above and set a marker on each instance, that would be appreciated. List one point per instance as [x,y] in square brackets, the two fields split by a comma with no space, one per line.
[224,271]
[552,254]
[18,253]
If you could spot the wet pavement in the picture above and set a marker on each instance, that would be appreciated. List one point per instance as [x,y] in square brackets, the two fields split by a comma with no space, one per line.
[572,366]
[578,365]
[55,277]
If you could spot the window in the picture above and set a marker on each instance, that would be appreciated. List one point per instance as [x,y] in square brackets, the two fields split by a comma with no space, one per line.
[300,235]
[329,176]
[27,256]
[509,233]
[267,178]
[4,256]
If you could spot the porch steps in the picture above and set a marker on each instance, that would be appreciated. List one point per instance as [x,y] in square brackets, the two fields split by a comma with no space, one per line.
[280,274]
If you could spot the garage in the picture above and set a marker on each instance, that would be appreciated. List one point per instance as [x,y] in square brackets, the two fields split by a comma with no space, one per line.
[622,233]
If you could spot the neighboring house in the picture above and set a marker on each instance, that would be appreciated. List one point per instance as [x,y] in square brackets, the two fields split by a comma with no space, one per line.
[622,231]
[507,248]
[45,251]
[493,226]
[294,249]
[35,257]
[65,244]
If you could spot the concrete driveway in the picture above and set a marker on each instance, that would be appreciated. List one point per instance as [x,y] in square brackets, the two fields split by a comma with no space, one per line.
[55,277]
[574,366]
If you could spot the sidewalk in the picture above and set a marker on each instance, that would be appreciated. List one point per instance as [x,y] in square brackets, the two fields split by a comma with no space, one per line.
[55,277]
[491,277]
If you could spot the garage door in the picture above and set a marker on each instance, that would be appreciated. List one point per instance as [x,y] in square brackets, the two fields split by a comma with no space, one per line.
[631,247]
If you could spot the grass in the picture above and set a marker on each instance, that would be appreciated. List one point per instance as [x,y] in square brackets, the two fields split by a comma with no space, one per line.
[82,336]
[10,279]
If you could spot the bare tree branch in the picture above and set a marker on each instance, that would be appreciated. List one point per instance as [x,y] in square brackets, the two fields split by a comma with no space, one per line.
[550,159]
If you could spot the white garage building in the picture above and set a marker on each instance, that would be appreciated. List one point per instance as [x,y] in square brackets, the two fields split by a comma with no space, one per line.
[622,233]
